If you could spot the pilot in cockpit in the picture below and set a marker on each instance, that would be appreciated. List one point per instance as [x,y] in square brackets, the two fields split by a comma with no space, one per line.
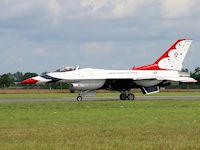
[66,69]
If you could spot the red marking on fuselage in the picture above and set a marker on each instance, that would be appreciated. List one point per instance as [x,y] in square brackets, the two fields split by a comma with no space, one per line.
[29,81]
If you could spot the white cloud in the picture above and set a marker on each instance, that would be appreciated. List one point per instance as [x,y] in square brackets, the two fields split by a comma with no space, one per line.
[126,8]
[55,10]
[95,5]
[97,48]
[13,60]
[40,52]
[38,10]
[58,11]
[178,8]
[109,9]
[169,9]
[10,9]
[71,31]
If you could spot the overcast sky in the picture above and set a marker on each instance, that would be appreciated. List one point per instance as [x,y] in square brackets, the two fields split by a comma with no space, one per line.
[42,35]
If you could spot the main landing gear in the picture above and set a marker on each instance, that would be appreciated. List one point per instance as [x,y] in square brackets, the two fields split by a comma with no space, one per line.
[127,96]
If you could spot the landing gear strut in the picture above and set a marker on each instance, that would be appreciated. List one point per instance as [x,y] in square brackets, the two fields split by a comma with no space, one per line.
[127,96]
[83,93]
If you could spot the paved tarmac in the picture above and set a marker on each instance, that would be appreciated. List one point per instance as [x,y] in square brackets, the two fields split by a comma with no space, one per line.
[101,98]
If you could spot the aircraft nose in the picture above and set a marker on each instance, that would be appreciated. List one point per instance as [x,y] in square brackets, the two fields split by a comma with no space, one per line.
[29,81]
[35,80]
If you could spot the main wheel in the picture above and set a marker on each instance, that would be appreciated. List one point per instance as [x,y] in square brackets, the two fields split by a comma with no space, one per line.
[131,96]
[122,96]
[79,98]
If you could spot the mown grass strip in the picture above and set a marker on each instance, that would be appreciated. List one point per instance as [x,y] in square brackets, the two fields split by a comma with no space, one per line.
[153,124]
[114,94]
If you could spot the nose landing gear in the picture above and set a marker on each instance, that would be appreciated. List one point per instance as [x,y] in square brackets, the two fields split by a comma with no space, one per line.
[79,98]
[83,93]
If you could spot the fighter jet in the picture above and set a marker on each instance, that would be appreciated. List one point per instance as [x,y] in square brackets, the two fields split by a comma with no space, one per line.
[148,78]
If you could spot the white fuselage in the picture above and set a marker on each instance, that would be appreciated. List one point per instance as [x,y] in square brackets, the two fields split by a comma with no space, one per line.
[98,74]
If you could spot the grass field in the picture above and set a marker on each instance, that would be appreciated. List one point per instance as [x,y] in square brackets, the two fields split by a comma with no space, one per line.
[116,94]
[154,124]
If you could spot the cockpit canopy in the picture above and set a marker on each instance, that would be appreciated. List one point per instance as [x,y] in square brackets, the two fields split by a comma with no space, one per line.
[66,69]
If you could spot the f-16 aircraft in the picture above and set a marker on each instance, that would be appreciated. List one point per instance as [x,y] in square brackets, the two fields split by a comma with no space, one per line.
[149,78]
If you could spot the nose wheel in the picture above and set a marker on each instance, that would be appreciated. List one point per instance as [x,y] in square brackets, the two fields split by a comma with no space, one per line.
[79,98]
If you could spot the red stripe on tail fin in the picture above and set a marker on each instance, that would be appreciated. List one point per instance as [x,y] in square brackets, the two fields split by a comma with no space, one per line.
[172,59]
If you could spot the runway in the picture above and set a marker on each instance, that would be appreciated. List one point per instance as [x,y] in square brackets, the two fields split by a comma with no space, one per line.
[70,99]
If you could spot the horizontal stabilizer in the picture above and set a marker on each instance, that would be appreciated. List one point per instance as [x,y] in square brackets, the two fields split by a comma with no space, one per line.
[181,79]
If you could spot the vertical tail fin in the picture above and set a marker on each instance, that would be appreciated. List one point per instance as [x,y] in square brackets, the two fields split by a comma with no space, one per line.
[172,59]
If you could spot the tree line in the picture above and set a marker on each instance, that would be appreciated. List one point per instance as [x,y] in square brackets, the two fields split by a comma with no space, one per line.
[10,80]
